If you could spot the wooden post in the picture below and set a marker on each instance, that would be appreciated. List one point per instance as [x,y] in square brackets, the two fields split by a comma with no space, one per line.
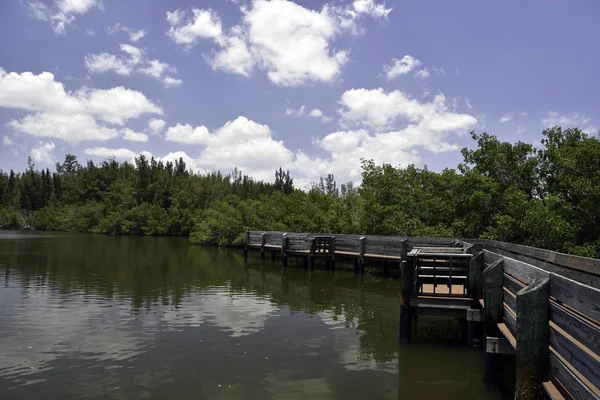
[361,255]
[493,278]
[403,250]
[475,270]
[263,241]
[311,252]
[406,293]
[533,338]
[285,242]
[332,250]
[246,241]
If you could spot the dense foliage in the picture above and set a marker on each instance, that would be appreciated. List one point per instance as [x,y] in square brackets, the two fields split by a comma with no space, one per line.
[548,197]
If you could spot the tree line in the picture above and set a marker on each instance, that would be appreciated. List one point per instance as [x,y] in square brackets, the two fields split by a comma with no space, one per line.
[547,197]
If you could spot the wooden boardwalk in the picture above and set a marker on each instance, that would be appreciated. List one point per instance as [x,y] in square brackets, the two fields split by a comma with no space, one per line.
[540,306]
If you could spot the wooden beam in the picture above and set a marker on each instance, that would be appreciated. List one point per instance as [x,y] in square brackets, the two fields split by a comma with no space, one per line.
[405,324]
[533,337]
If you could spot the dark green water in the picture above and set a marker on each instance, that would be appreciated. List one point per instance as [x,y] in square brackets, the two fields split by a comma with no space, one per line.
[90,316]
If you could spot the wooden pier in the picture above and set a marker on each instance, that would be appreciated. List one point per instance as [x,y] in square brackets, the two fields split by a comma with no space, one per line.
[539,306]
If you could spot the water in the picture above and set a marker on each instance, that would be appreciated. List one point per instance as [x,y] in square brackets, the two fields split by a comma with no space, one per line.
[90,316]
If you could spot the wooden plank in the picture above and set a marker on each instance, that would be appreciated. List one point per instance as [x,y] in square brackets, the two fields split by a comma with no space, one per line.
[507,334]
[513,284]
[575,383]
[585,264]
[474,272]
[510,318]
[579,356]
[552,391]
[581,329]
[523,271]
[492,281]
[510,298]
[579,276]
[580,297]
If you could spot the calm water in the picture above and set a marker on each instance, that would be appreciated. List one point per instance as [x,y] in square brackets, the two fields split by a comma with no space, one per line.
[90,316]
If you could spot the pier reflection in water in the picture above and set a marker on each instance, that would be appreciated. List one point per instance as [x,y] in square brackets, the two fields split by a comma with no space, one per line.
[90,316]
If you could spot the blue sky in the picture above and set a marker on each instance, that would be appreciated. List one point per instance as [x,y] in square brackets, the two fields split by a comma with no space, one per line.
[310,86]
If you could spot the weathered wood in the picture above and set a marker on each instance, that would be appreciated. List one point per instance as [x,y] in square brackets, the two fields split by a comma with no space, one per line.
[498,345]
[405,328]
[580,357]
[475,270]
[513,284]
[580,297]
[581,329]
[510,318]
[492,283]
[510,299]
[552,391]
[585,264]
[573,382]
[285,243]
[533,311]
[579,276]
[492,294]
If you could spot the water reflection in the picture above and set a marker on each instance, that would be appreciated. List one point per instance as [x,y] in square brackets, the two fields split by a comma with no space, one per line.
[100,316]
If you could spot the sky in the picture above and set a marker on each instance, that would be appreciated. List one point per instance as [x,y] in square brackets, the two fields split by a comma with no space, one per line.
[311,86]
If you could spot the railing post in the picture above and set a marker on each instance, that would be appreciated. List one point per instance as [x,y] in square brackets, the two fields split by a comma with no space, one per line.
[361,255]
[246,241]
[405,328]
[263,241]
[311,253]
[533,338]
[475,270]
[493,278]
[332,250]
[285,242]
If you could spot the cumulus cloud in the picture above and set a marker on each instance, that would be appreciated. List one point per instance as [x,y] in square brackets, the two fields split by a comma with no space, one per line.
[134,59]
[293,44]
[42,153]
[61,13]
[239,143]
[133,136]
[316,113]
[400,67]
[156,126]
[170,82]
[507,117]
[388,128]
[86,114]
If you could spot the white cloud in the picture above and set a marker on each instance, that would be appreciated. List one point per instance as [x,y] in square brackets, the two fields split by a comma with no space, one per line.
[380,110]
[170,82]
[106,62]
[186,30]
[134,60]
[134,36]
[371,8]
[234,56]
[155,68]
[62,12]
[240,143]
[133,136]
[186,134]
[156,126]
[190,163]
[400,67]
[507,117]
[70,116]
[43,153]
[316,113]
[110,153]
[391,129]
[574,120]
[292,43]
[422,74]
